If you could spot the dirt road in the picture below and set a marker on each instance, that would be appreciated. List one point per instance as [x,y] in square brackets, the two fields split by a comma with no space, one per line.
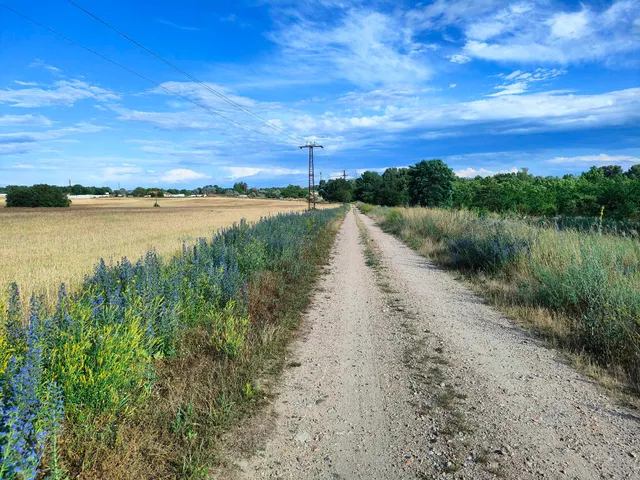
[403,373]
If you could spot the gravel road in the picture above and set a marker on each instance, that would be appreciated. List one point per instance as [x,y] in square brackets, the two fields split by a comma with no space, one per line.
[402,372]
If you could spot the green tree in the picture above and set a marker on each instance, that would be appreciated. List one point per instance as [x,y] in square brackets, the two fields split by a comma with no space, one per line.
[634,172]
[431,183]
[37,196]
[393,188]
[139,192]
[294,191]
[241,187]
[367,187]
[336,190]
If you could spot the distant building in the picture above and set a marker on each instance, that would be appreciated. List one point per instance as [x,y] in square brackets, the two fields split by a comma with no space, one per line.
[174,195]
[88,196]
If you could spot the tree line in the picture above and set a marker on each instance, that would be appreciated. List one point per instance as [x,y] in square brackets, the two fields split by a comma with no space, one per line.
[53,196]
[432,183]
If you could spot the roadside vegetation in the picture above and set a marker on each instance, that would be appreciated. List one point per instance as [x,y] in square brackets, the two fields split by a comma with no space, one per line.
[136,373]
[580,289]
[608,195]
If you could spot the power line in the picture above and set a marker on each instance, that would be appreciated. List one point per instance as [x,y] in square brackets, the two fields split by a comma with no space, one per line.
[277,128]
[210,110]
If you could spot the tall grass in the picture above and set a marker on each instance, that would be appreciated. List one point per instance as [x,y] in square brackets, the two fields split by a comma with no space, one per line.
[590,282]
[95,361]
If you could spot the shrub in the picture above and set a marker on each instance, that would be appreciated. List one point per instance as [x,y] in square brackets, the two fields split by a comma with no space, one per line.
[36,196]
[394,221]
[490,246]
[365,207]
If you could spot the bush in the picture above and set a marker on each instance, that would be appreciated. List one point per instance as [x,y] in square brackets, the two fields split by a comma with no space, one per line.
[36,196]
[489,247]
[394,221]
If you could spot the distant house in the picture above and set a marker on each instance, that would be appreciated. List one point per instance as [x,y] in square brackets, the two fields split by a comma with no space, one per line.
[88,196]
[243,196]
[174,195]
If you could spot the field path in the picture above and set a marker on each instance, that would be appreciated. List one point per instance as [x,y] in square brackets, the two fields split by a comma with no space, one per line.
[404,373]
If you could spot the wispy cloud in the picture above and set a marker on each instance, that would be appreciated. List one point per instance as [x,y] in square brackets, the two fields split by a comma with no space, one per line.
[366,48]
[38,63]
[120,173]
[30,119]
[482,172]
[176,25]
[23,142]
[519,82]
[459,58]
[602,159]
[61,93]
[534,32]
[179,175]
[234,173]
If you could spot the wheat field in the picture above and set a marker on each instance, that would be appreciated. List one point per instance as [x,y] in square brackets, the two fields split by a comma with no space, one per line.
[41,248]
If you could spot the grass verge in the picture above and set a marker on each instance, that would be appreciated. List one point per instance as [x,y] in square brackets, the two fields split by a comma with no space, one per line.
[579,290]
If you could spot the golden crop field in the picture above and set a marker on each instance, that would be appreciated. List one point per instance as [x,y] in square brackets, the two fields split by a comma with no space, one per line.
[43,247]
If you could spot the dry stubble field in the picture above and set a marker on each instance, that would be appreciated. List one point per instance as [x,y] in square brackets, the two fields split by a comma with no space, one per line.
[41,248]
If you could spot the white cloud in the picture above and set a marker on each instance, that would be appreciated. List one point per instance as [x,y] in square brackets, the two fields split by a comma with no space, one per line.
[569,25]
[442,13]
[482,172]
[366,48]
[538,33]
[26,84]
[178,175]
[453,85]
[513,89]
[523,80]
[62,93]
[602,159]
[241,172]
[23,142]
[265,172]
[37,63]
[35,120]
[120,173]
[459,58]
[545,111]
[187,120]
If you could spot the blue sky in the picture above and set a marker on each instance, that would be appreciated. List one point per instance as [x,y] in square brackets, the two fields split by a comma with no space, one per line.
[487,86]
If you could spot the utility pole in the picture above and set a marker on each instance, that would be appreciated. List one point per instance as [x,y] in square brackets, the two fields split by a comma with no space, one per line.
[312,182]
[344,175]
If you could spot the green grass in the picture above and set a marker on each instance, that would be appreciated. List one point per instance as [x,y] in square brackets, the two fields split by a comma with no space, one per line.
[581,288]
